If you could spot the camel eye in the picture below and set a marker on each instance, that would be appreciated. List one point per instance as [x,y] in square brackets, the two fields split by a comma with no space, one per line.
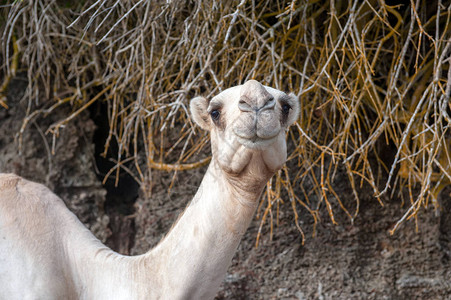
[215,114]
[286,108]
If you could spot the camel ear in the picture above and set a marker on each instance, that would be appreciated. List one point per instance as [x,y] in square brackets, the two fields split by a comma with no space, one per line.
[198,107]
[295,109]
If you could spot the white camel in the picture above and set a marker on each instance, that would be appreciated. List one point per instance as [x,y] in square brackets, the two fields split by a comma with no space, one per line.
[47,253]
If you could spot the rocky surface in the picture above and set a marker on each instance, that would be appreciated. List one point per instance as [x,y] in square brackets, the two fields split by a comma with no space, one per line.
[67,167]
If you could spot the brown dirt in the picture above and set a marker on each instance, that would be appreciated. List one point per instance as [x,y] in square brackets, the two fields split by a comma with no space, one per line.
[348,261]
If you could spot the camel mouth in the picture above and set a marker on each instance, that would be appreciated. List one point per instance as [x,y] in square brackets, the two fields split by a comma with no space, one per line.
[256,142]
[257,133]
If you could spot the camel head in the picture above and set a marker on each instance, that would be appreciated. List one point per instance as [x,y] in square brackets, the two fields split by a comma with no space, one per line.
[247,124]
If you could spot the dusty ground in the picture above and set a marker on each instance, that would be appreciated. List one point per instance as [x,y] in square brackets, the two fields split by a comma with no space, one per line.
[348,261]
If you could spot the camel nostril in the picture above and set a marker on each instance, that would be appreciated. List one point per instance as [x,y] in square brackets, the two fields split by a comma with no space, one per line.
[244,106]
[269,104]
[260,105]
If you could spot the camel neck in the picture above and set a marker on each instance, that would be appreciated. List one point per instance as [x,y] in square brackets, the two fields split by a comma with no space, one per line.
[189,263]
[196,253]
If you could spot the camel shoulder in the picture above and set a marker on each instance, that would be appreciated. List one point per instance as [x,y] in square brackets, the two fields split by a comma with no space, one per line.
[8,181]
[17,192]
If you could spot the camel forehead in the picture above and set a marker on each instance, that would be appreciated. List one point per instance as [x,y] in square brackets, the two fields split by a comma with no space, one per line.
[232,94]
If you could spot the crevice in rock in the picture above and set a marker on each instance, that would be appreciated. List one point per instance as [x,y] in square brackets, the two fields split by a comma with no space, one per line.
[120,199]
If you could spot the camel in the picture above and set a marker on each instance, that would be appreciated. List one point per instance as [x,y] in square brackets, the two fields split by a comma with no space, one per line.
[47,253]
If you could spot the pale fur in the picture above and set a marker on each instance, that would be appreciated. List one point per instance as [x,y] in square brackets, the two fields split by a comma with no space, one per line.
[47,253]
